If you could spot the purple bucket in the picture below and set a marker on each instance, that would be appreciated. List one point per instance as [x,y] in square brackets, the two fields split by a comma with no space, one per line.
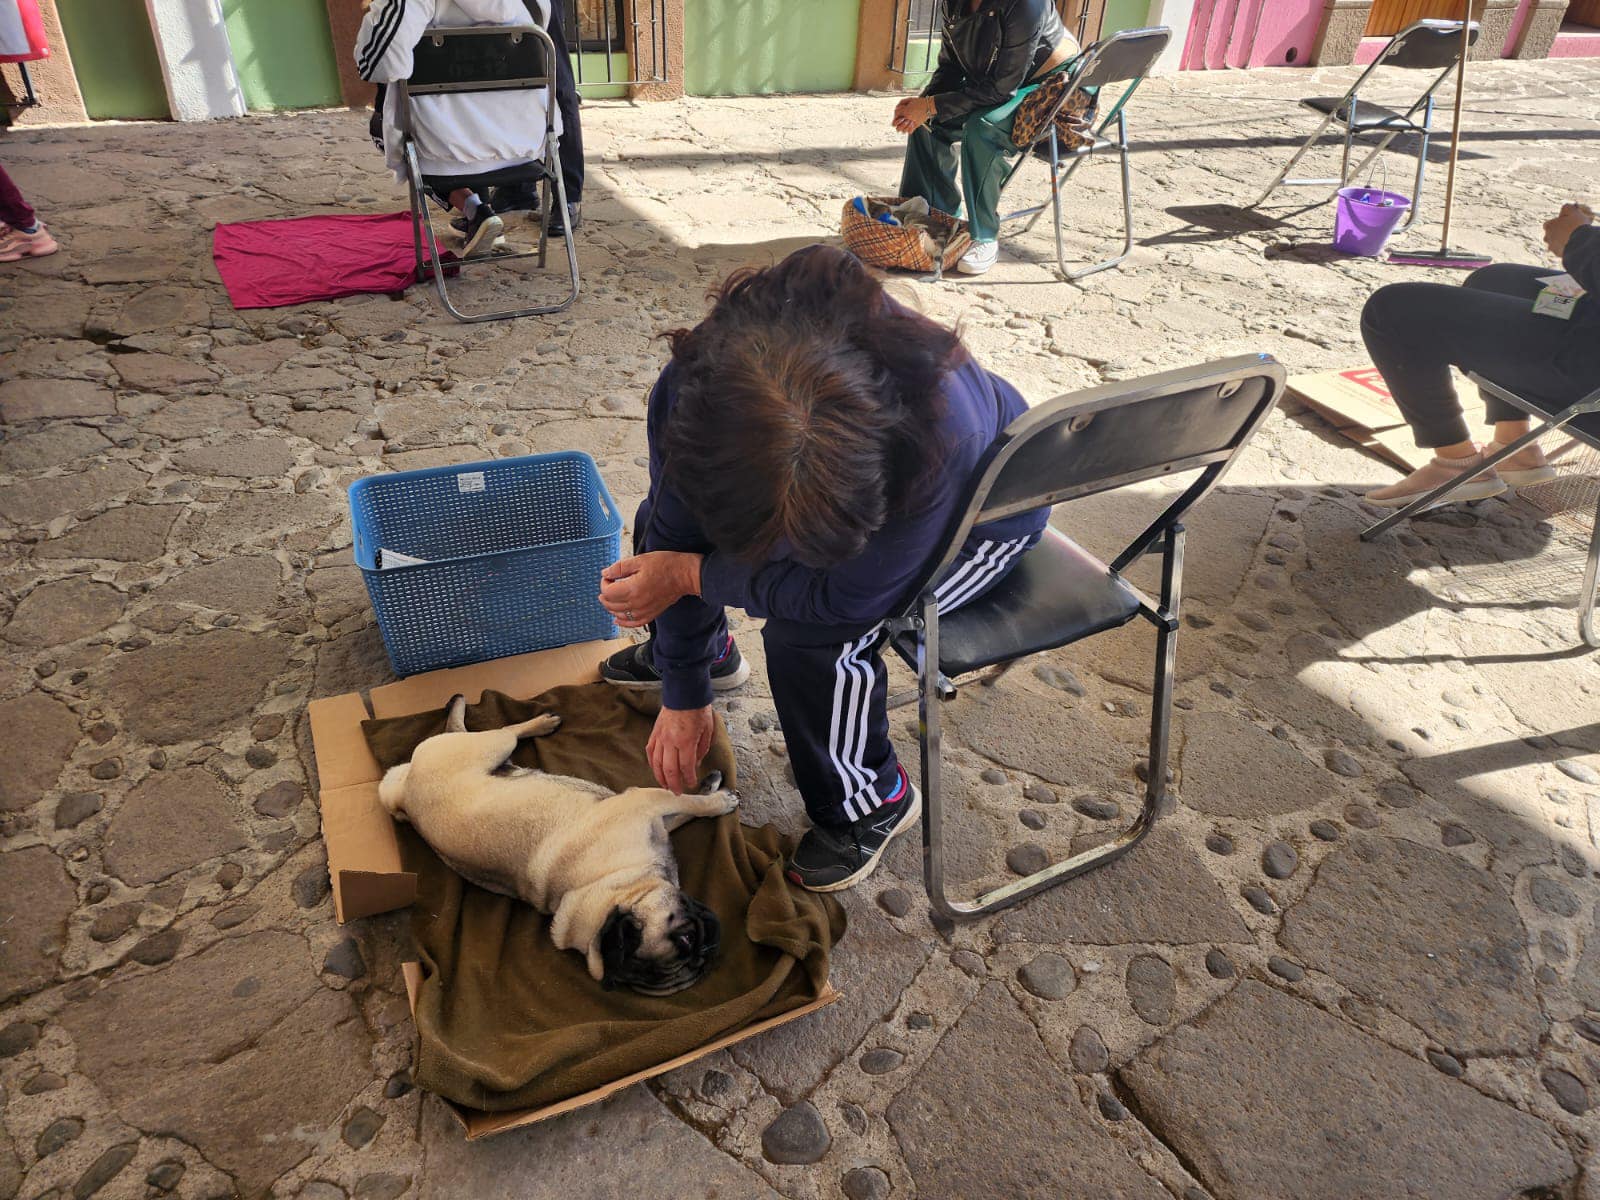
[1365,218]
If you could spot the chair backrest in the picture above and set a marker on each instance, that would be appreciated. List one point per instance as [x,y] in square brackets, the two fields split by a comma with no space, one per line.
[1123,56]
[481,58]
[1426,46]
[1077,445]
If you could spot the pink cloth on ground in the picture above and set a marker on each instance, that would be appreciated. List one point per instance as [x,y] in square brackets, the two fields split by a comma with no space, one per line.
[268,264]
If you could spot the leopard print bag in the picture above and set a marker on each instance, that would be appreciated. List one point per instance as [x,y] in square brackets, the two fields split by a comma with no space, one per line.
[1074,120]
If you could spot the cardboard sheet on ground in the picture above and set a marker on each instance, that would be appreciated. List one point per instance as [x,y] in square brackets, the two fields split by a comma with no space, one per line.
[1358,404]
[621,1038]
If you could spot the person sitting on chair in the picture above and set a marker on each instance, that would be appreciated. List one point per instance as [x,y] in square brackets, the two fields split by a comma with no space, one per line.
[526,195]
[461,139]
[1415,332]
[1011,45]
[811,442]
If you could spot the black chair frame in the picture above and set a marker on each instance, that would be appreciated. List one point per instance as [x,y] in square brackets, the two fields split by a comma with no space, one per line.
[486,58]
[1425,45]
[1125,57]
[1075,446]
[1589,595]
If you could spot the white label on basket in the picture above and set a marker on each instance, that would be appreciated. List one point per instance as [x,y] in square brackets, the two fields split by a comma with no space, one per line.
[469,481]
[393,558]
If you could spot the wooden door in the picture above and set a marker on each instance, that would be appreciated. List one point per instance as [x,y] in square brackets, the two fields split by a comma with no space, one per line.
[1585,12]
[1389,17]
[1091,13]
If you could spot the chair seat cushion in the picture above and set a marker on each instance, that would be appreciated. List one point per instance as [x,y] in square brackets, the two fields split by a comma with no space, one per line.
[1368,116]
[1056,594]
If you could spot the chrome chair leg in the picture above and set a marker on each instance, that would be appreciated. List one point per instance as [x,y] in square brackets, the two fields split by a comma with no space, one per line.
[1590,595]
[1124,156]
[930,747]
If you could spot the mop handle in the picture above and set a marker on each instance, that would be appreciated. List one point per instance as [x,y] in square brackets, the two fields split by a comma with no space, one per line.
[1455,127]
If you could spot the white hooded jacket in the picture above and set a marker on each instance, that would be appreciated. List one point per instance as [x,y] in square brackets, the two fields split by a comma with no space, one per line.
[469,134]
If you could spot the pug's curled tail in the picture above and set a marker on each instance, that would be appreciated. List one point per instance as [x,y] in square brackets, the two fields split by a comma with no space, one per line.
[392,789]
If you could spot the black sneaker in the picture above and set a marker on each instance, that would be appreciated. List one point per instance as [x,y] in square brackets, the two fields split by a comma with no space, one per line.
[557,227]
[635,667]
[832,858]
[483,228]
[515,197]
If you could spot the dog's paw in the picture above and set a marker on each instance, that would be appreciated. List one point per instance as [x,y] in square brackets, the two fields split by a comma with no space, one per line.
[548,723]
[730,800]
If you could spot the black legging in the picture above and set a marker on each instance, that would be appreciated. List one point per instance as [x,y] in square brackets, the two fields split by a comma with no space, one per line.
[1415,332]
[567,102]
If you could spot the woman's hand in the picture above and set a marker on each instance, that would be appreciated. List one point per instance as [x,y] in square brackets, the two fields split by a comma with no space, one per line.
[1559,230]
[914,112]
[638,590]
[677,744]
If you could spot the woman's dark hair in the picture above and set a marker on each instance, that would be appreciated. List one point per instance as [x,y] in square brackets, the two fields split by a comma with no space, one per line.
[808,407]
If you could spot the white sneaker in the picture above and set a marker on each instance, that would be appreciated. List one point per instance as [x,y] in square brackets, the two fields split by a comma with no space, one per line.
[979,258]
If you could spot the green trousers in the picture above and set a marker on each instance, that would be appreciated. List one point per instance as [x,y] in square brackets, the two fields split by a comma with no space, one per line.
[986,152]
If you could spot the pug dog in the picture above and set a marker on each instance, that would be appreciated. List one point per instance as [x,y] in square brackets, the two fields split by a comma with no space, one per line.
[599,864]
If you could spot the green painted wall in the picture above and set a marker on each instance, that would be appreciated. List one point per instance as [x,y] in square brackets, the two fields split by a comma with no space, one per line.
[594,85]
[114,58]
[1125,14]
[755,47]
[283,52]
[921,57]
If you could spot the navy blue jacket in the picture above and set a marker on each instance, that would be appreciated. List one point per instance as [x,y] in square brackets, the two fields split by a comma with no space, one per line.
[876,584]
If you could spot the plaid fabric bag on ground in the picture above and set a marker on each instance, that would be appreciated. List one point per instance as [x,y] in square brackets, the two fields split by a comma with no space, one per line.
[905,247]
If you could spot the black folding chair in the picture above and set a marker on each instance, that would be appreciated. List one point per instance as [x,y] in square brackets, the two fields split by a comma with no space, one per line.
[488,58]
[1124,57]
[1197,419]
[30,98]
[1425,46]
[1586,432]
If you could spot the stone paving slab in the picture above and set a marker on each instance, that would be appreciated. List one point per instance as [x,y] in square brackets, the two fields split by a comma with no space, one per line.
[1362,944]
[1266,1096]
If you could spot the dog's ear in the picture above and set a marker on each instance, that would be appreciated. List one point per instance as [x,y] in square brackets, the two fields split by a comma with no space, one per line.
[619,941]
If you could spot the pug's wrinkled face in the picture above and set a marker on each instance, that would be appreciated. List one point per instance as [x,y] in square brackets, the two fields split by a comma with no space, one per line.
[663,944]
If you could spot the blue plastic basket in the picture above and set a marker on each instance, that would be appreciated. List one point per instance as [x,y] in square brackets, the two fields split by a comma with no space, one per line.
[512,552]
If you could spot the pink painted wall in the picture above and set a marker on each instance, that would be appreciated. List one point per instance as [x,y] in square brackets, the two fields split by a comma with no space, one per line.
[1251,33]
[1517,22]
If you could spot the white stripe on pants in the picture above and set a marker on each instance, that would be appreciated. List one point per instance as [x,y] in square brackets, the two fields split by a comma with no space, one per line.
[855,673]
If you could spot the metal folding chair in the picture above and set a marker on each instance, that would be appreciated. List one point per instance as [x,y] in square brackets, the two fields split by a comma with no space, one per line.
[1588,433]
[1424,46]
[1197,419]
[1124,57]
[30,98]
[489,58]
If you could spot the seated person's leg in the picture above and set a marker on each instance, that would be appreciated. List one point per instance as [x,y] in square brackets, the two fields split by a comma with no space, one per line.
[375,121]
[831,692]
[462,193]
[636,668]
[930,169]
[1415,332]
[1510,279]
[986,152]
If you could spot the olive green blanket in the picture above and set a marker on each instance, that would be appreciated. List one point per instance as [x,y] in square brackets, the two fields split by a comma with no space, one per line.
[507,1021]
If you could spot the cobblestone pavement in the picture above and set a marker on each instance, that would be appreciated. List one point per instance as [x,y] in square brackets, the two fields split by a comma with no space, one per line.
[1360,959]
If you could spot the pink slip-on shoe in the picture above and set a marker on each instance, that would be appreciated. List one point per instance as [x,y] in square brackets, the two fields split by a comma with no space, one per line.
[1440,471]
[1525,468]
[18,245]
